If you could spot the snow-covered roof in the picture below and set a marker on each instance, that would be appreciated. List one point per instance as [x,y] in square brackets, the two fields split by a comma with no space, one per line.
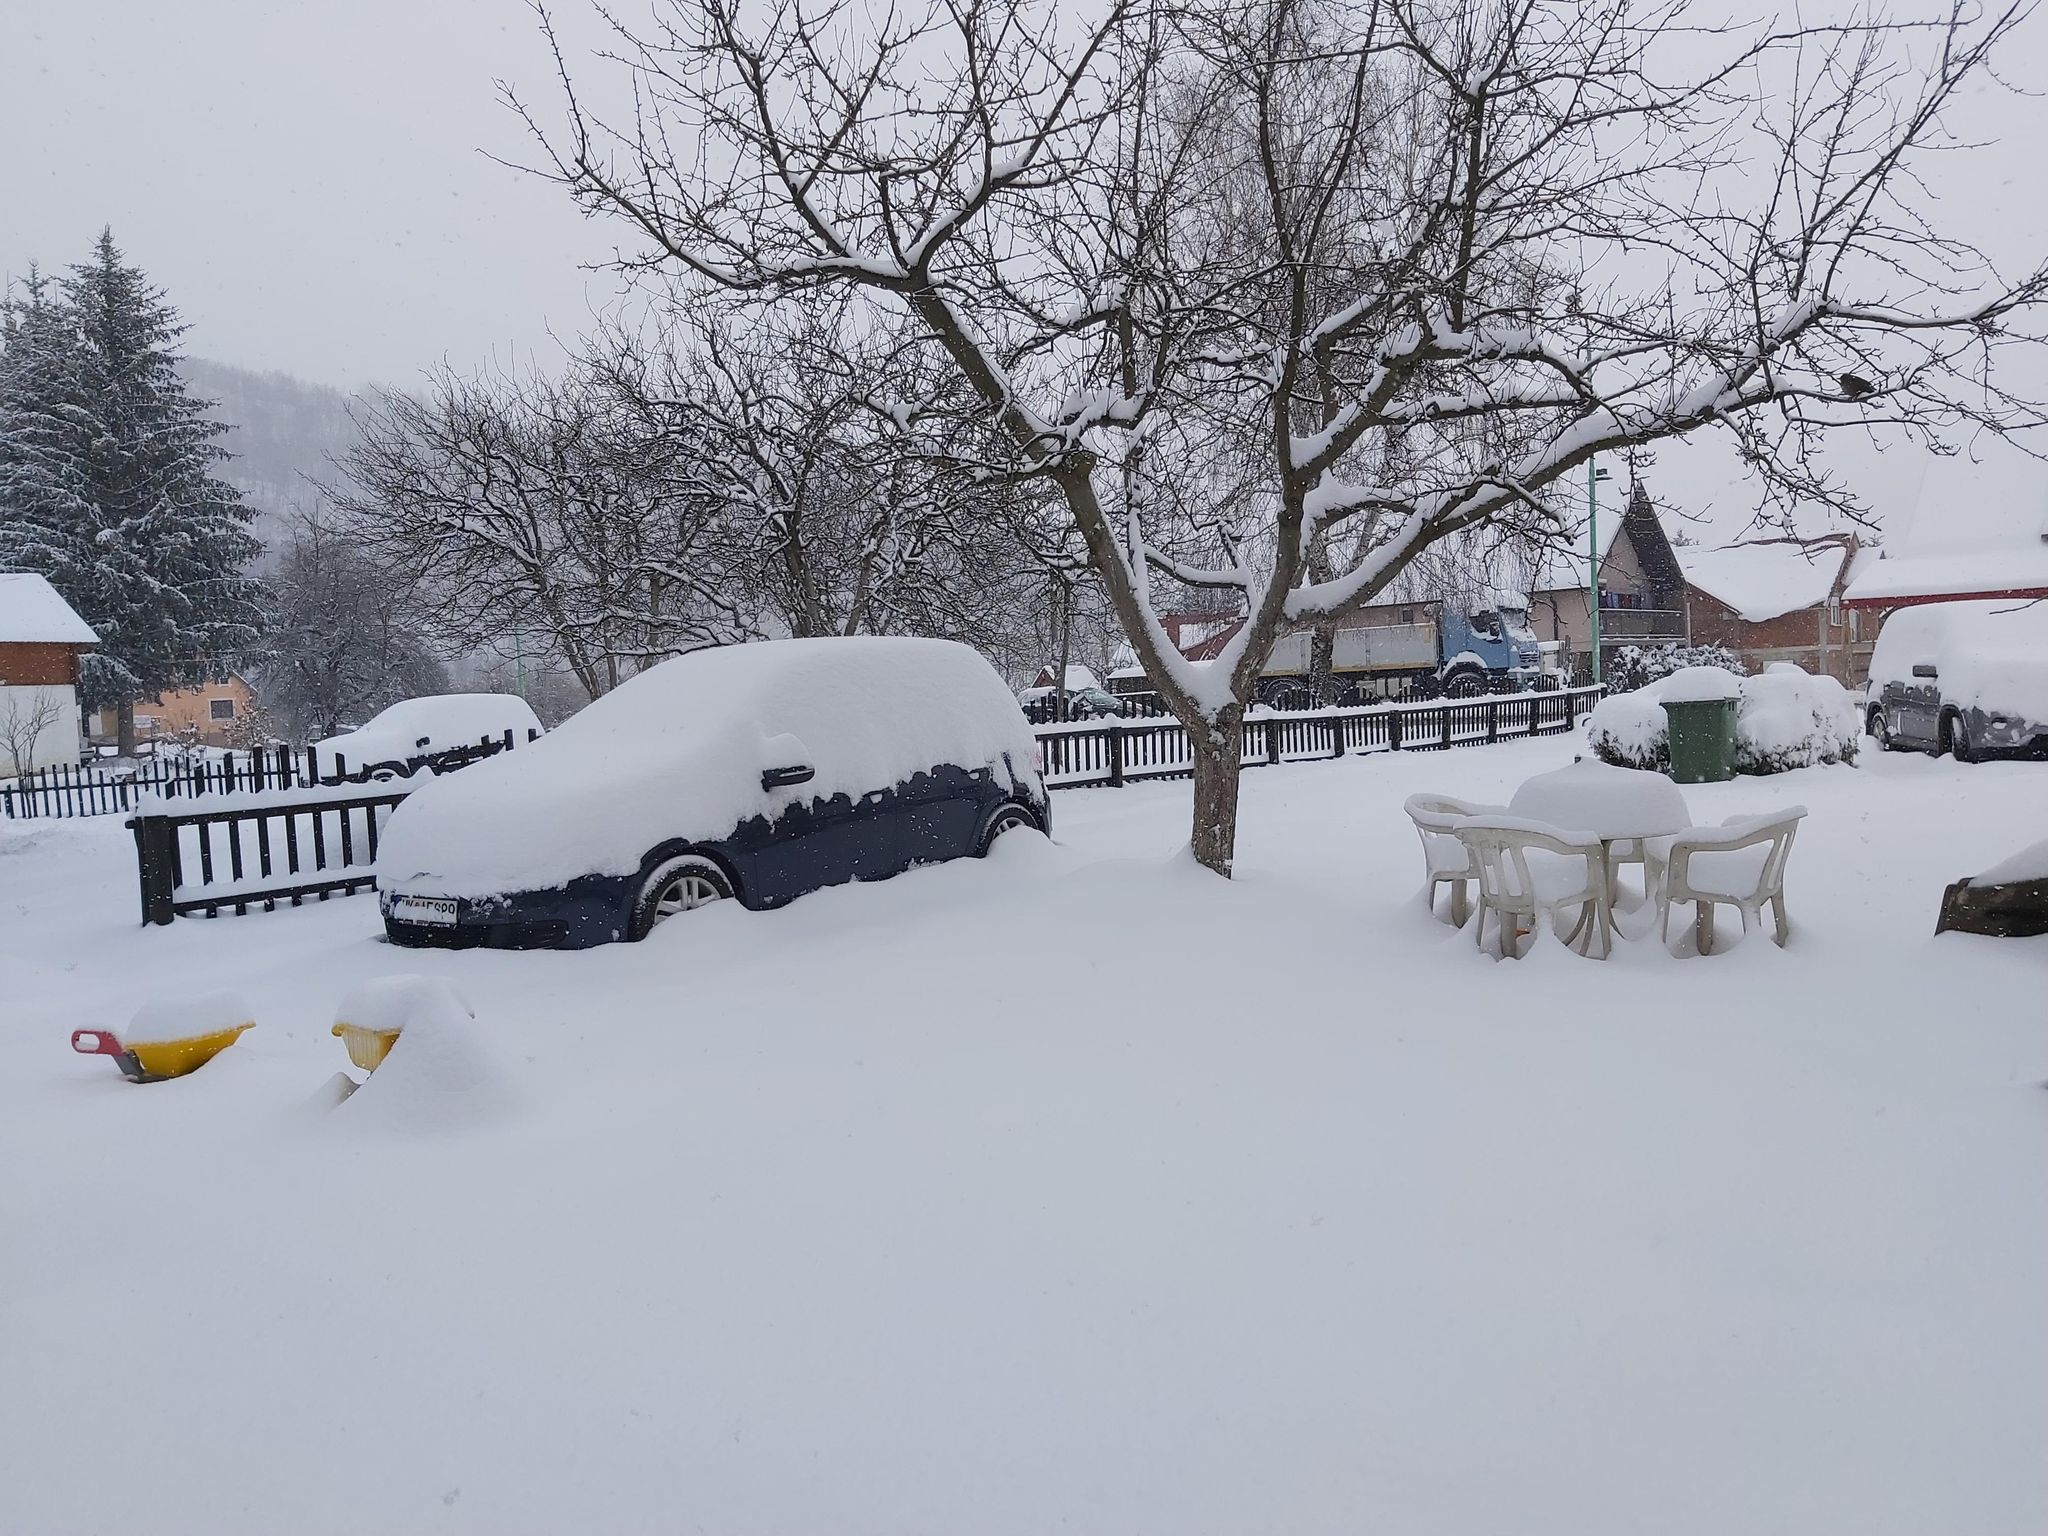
[1762,581]
[1994,570]
[32,613]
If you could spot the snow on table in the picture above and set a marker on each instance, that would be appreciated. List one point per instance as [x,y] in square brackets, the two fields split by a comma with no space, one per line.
[1608,802]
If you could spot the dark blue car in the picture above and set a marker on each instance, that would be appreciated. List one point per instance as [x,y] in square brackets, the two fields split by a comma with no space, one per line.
[756,772]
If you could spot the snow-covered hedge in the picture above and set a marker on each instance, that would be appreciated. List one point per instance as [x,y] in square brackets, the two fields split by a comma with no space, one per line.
[1789,718]
[1785,718]
[1638,666]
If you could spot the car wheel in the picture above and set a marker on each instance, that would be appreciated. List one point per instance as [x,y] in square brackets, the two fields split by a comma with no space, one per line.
[675,886]
[1007,817]
[1880,730]
[1957,737]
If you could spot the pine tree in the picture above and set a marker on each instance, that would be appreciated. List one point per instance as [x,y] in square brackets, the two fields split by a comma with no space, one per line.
[42,488]
[109,474]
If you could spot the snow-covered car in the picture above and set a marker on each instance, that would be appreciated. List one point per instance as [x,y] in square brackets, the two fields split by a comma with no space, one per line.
[421,727]
[1968,678]
[753,772]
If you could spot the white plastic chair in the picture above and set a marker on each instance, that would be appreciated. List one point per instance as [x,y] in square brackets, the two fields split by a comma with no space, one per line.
[1527,868]
[1740,863]
[1446,860]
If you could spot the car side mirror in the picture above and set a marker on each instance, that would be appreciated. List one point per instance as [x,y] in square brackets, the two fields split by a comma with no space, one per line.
[782,778]
[1925,669]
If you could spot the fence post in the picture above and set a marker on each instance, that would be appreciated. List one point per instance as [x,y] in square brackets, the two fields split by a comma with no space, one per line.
[1535,711]
[1492,721]
[1336,735]
[1272,742]
[1394,729]
[1116,753]
[155,840]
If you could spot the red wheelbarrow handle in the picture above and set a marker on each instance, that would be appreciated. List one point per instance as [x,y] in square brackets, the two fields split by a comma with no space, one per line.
[95,1042]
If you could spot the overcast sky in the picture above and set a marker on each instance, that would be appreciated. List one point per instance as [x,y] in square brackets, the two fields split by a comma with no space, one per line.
[309,181]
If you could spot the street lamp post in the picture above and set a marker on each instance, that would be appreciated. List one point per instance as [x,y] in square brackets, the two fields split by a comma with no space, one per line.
[1593,478]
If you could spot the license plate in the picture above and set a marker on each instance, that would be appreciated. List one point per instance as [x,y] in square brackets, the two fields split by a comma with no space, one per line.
[423,909]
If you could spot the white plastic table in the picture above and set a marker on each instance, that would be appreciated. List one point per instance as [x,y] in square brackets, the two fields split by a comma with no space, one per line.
[1616,805]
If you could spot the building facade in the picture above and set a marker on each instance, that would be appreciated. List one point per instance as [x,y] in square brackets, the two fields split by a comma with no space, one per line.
[41,640]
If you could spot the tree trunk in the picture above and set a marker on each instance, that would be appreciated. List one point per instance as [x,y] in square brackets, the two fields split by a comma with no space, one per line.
[1217,771]
[1322,663]
[124,728]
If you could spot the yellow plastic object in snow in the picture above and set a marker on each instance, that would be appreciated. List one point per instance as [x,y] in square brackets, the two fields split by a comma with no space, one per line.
[367,1048]
[159,1059]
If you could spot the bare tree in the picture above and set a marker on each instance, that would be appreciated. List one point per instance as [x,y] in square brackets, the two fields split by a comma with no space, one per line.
[1276,294]
[23,719]
[840,518]
[538,513]
[344,639]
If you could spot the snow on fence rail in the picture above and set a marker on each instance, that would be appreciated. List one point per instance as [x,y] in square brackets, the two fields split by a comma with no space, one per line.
[1115,752]
[231,853]
[93,791]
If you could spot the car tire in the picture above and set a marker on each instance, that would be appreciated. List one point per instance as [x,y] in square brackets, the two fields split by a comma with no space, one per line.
[675,886]
[1956,737]
[1007,817]
[1880,730]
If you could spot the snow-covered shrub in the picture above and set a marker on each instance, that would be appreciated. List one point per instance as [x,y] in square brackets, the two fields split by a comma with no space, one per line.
[1784,718]
[1637,666]
[1788,718]
[1629,731]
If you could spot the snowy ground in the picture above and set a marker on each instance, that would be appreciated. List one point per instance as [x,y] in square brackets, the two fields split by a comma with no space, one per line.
[1071,1190]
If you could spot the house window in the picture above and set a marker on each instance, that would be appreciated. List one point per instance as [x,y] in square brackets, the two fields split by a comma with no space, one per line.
[1407,615]
[221,709]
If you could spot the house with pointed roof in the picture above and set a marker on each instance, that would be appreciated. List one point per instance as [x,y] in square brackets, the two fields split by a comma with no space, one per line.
[1781,599]
[41,640]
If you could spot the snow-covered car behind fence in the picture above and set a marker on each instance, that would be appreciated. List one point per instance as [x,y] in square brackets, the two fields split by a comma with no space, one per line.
[758,772]
[421,727]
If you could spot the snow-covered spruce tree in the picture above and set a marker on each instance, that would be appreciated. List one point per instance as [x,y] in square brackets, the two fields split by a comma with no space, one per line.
[42,478]
[108,487]
[1276,293]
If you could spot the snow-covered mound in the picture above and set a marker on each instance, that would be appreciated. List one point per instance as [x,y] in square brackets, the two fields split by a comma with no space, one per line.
[165,1019]
[395,1003]
[678,752]
[1990,655]
[2030,863]
[435,723]
[1790,718]
[439,1075]
[1784,718]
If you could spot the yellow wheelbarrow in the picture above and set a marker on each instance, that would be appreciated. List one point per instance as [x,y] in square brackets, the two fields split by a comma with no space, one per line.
[155,1060]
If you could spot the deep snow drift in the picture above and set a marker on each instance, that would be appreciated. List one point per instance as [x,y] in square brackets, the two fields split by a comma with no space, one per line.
[1070,1189]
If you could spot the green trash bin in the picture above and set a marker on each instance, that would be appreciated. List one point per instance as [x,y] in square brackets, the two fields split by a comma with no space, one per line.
[1702,737]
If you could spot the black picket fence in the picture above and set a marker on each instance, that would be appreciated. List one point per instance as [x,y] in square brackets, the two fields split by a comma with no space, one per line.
[95,791]
[1120,752]
[306,846]
[212,859]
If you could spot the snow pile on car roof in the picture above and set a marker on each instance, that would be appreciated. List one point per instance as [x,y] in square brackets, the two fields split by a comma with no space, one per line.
[445,719]
[678,753]
[1992,654]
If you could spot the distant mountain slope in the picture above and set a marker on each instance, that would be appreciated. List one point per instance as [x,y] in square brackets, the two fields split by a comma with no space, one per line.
[283,432]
